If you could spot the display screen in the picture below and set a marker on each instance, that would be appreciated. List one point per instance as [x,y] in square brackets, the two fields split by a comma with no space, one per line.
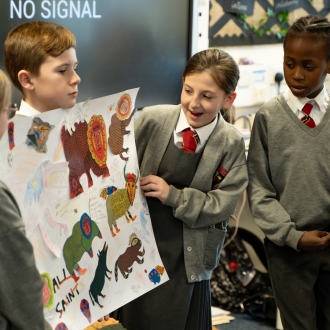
[121,44]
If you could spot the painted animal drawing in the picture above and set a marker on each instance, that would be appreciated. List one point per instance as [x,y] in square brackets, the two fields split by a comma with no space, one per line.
[117,128]
[38,134]
[80,241]
[126,260]
[85,149]
[101,271]
[118,201]
[11,139]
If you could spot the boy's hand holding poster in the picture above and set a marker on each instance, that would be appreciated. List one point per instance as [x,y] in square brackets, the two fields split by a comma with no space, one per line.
[75,176]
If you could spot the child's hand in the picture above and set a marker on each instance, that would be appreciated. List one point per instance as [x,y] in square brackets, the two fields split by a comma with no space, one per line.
[154,186]
[314,241]
[105,318]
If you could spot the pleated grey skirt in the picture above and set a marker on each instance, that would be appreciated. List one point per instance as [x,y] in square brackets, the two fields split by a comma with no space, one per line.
[176,304]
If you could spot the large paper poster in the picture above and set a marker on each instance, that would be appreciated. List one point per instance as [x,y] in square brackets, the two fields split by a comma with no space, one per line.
[75,176]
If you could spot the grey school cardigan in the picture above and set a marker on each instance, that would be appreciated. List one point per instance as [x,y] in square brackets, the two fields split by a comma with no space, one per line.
[204,211]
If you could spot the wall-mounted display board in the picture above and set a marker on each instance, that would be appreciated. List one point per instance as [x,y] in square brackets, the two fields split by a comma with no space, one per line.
[257,22]
[120,44]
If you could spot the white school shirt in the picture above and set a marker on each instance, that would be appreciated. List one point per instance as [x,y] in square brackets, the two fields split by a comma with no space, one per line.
[27,110]
[320,104]
[203,132]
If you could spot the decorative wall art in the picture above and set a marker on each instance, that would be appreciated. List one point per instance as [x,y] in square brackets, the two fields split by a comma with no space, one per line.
[75,176]
[238,6]
[257,22]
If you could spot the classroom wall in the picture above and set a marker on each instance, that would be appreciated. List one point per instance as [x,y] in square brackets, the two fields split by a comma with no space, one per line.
[257,83]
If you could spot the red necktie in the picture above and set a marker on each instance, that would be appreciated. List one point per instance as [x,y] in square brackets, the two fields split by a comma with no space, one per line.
[190,140]
[307,120]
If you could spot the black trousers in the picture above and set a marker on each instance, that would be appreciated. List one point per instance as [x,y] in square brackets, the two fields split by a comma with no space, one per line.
[301,285]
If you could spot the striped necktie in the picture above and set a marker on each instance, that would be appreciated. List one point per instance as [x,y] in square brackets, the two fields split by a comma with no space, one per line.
[307,120]
[189,140]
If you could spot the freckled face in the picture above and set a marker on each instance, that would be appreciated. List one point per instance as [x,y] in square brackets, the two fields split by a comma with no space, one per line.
[202,99]
[305,66]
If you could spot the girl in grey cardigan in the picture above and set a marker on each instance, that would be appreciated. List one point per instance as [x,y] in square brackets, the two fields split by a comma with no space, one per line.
[190,195]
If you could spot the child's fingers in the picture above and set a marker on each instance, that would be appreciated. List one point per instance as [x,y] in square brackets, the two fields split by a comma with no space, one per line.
[150,182]
[148,186]
[144,183]
[147,178]
[151,193]
[314,241]
[326,241]
[104,318]
[326,236]
[154,186]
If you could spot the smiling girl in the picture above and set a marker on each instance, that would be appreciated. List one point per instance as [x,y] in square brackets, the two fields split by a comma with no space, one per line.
[191,194]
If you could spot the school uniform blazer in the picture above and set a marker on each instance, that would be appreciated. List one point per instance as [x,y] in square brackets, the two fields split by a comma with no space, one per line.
[203,207]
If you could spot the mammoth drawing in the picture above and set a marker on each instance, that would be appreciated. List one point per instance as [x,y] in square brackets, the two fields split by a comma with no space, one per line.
[117,128]
[126,260]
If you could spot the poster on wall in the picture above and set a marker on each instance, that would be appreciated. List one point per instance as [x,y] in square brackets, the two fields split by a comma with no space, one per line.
[239,6]
[75,176]
[282,5]
[230,29]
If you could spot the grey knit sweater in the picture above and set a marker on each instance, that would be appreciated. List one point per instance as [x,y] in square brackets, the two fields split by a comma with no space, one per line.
[289,173]
[21,305]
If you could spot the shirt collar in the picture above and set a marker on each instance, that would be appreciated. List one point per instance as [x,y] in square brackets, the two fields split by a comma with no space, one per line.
[203,132]
[26,110]
[322,99]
